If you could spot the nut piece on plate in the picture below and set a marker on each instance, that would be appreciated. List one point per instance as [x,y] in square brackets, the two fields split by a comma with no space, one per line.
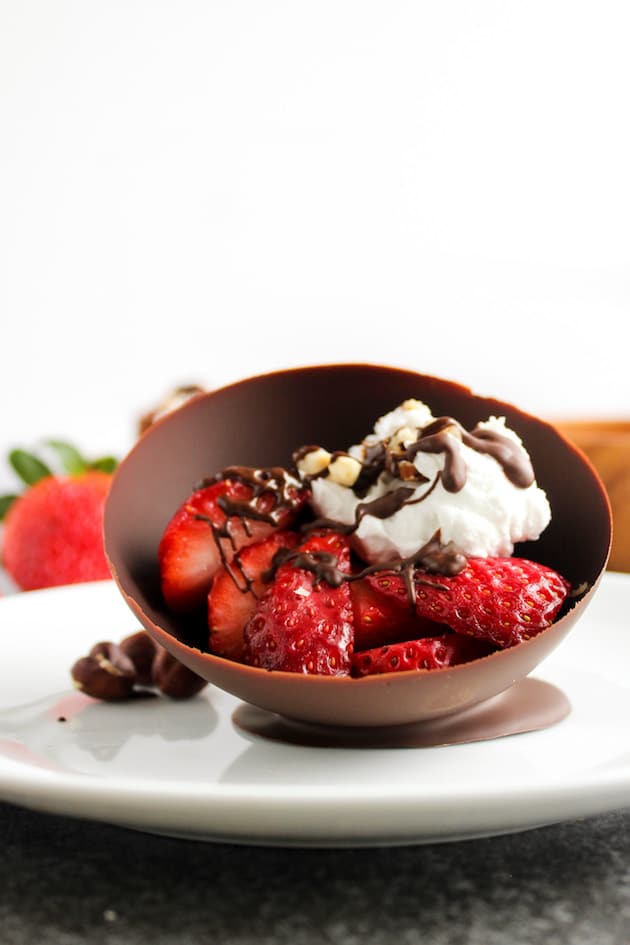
[141,650]
[113,672]
[173,678]
[106,673]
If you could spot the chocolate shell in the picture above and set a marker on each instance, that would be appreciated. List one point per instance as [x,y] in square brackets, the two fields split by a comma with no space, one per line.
[259,422]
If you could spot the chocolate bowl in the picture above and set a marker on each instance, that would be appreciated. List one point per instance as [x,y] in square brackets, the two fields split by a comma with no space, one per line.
[259,422]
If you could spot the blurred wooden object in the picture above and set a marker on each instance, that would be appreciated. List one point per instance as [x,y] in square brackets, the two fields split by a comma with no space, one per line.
[607,445]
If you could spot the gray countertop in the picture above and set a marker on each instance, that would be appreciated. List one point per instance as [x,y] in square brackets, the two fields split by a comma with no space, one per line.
[68,881]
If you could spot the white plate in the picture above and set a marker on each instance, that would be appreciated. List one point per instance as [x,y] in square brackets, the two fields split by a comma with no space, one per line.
[185,769]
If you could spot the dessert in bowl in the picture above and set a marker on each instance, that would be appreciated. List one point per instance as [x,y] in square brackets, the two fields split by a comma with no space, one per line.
[288,428]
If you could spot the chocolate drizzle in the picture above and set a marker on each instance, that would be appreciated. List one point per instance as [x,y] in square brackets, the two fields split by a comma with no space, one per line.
[274,482]
[384,506]
[445,435]
[371,468]
[221,533]
[512,458]
[272,496]
[322,564]
[433,557]
[243,511]
[431,554]
[437,438]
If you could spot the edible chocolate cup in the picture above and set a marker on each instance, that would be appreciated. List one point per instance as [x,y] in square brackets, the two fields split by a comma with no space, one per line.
[259,422]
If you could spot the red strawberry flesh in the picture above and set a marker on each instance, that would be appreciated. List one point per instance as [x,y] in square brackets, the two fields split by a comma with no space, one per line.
[449,649]
[212,525]
[236,589]
[302,624]
[383,618]
[502,600]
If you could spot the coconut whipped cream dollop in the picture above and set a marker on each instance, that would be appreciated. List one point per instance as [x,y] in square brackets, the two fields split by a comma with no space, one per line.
[420,482]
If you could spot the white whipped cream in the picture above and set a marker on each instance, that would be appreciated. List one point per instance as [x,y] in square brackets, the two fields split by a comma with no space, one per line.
[486,517]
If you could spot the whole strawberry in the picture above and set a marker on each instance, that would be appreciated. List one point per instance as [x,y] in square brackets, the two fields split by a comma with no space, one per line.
[502,600]
[53,530]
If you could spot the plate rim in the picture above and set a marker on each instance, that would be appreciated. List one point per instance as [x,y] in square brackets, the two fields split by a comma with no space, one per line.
[278,810]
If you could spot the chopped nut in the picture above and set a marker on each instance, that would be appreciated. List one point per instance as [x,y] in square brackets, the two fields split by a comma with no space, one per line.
[407,471]
[106,673]
[112,672]
[344,470]
[314,461]
[141,650]
[173,678]
[405,436]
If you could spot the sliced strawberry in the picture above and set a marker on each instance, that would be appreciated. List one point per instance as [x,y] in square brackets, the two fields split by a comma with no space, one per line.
[383,618]
[212,525]
[449,649]
[303,623]
[236,589]
[503,600]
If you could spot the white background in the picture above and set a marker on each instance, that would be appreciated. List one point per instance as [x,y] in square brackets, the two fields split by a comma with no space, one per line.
[198,191]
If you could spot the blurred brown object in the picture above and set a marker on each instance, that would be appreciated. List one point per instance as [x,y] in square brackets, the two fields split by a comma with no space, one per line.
[174,399]
[607,444]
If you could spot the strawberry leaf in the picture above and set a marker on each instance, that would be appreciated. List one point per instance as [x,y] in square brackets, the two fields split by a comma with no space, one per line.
[105,464]
[71,459]
[29,468]
[6,501]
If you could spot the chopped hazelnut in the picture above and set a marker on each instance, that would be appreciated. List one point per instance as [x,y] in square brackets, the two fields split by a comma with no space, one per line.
[344,470]
[405,436]
[314,462]
[407,471]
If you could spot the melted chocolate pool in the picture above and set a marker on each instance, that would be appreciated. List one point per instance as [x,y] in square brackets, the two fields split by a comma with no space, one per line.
[528,706]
